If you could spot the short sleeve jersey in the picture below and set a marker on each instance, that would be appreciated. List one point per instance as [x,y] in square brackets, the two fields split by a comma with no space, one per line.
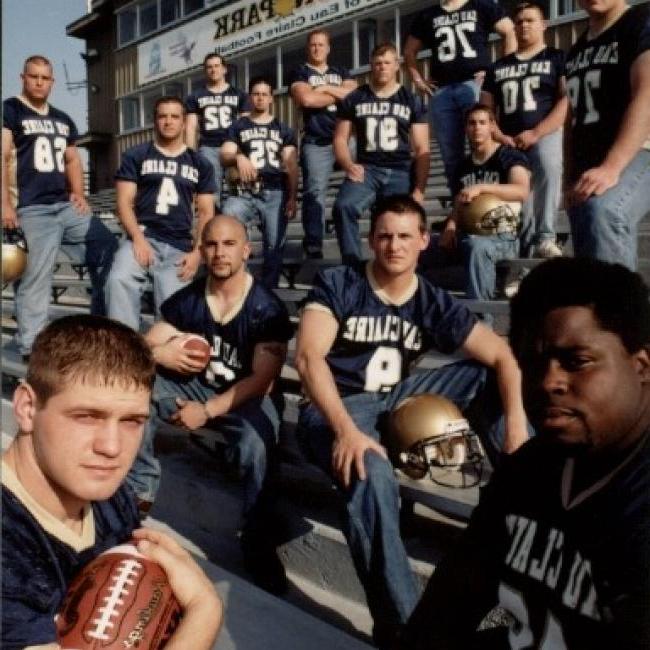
[37,566]
[216,112]
[260,318]
[166,186]
[457,39]
[525,90]
[40,141]
[383,125]
[598,84]
[572,567]
[377,341]
[495,170]
[262,144]
[318,123]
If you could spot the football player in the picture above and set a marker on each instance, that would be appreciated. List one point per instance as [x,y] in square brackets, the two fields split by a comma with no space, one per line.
[52,209]
[210,112]
[316,86]
[156,184]
[527,89]
[390,125]
[361,329]
[264,152]
[491,168]
[607,152]
[561,535]
[80,413]
[456,32]
[247,327]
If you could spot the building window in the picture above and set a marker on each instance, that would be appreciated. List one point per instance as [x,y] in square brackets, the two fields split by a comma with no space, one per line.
[175,89]
[148,102]
[266,67]
[291,59]
[190,6]
[196,83]
[148,17]
[127,22]
[170,10]
[341,50]
[367,40]
[130,113]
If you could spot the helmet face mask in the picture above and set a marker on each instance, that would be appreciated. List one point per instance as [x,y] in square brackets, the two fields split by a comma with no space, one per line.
[489,215]
[430,437]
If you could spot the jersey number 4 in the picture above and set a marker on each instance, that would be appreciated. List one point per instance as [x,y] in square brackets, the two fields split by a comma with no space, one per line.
[167,195]
[451,37]
[48,154]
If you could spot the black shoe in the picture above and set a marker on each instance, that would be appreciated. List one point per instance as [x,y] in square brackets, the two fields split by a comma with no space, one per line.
[262,562]
[314,255]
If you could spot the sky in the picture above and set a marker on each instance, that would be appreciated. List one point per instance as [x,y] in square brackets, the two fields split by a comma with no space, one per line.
[38,27]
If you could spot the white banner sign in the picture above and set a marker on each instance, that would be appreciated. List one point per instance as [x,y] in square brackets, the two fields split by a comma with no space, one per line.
[235,28]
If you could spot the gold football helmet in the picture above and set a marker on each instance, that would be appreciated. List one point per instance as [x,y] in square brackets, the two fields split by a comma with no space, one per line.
[489,215]
[429,435]
[237,187]
[14,254]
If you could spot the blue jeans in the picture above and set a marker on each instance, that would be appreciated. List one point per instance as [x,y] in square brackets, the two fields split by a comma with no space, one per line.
[251,432]
[47,229]
[605,226]
[127,281]
[267,208]
[353,198]
[447,107]
[480,256]
[317,163]
[212,154]
[371,517]
[539,210]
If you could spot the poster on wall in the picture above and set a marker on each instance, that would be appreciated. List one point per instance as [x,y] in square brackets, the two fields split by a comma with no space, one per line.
[233,29]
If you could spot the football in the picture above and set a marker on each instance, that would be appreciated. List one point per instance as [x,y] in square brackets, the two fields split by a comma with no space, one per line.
[119,600]
[197,343]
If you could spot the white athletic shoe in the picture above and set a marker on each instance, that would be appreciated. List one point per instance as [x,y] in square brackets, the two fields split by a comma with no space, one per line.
[548,248]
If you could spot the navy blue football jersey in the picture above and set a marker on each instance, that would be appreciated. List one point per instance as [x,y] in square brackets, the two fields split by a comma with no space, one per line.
[41,141]
[525,90]
[318,123]
[377,342]
[571,566]
[457,39]
[383,125]
[262,144]
[494,170]
[598,84]
[166,189]
[216,112]
[37,566]
[262,317]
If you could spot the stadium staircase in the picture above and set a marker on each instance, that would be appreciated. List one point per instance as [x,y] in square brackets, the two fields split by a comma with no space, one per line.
[201,502]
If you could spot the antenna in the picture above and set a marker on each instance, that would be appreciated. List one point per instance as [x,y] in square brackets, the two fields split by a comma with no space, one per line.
[73,86]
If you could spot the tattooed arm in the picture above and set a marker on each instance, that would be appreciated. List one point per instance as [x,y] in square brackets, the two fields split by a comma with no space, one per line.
[268,359]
